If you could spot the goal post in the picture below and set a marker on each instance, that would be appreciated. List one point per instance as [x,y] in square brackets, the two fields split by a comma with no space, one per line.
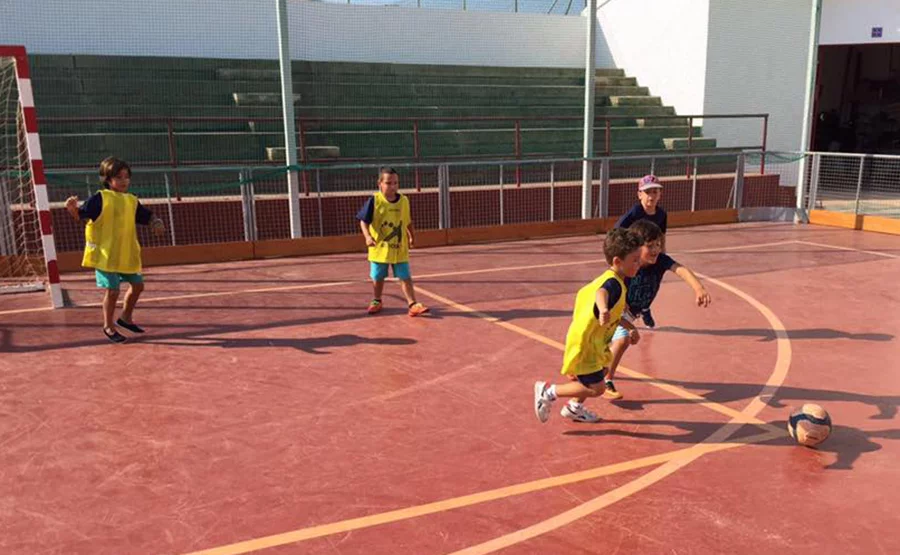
[27,249]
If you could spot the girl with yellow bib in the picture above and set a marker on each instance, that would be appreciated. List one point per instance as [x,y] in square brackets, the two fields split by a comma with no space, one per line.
[598,310]
[111,243]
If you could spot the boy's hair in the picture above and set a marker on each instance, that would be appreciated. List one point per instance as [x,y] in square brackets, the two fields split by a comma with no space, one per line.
[620,243]
[646,231]
[110,167]
[385,170]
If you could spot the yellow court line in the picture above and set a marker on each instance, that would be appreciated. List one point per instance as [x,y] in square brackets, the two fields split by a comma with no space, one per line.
[469,500]
[779,374]
[585,509]
[671,461]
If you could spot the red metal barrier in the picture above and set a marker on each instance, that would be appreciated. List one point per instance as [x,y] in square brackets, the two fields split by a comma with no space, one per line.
[171,130]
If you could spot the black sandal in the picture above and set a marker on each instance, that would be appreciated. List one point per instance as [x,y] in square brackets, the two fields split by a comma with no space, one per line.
[130,327]
[115,336]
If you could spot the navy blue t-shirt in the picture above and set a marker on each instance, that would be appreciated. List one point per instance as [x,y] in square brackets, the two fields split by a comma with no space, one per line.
[643,287]
[93,207]
[637,213]
[367,212]
[613,293]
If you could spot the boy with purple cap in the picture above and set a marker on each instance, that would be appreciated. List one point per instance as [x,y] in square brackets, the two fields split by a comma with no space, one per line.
[647,208]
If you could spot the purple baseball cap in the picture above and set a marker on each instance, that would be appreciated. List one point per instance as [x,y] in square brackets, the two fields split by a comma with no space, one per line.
[649,182]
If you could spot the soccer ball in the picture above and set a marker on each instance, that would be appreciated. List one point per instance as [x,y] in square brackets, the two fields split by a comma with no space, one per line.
[809,425]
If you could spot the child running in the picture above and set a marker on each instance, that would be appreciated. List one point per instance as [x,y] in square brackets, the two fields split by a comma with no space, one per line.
[598,310]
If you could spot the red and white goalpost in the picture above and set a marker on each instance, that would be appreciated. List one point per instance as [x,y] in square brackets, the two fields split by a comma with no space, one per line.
[27,250]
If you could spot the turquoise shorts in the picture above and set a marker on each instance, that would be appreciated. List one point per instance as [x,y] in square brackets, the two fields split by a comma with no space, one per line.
[620,333]
[111,280]
[378,271]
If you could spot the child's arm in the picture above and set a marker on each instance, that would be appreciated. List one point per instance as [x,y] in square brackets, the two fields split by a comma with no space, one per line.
[72,207]
[365,216]
[602,299]
[703,298]
[409,233]
[370,242]
[89,209]
[144,216]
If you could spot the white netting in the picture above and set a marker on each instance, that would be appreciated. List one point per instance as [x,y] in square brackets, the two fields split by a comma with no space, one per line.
[22,265]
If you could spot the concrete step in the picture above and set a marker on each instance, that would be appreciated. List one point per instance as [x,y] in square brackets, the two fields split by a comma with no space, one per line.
[633,100]
[681,143]
[661,122]
[268,70]
[277,153]
[260,99]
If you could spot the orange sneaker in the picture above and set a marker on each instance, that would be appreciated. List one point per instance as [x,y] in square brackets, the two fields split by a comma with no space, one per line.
[417,308]
[374,306]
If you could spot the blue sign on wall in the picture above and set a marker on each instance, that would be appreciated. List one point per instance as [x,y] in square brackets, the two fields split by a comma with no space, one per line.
[876,32]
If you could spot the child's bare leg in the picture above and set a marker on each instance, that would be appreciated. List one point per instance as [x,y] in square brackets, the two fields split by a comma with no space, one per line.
[415,308]
[131,299]
[109,309]
[578,390]
[408,291]
[378,286]
[545,394]
[617,349]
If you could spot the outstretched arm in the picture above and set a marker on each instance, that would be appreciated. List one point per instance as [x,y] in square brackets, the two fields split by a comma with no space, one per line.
[703,298]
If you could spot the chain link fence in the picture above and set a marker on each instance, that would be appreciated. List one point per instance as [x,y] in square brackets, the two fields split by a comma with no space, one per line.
[856,184]
[217,204]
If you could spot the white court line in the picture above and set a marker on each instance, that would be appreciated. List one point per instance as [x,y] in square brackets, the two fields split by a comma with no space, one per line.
[875,253]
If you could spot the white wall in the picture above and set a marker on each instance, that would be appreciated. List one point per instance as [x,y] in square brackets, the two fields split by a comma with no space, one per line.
[851,21]
[419,36]
[319,32]
[663,44]
[718,57]
[757,63]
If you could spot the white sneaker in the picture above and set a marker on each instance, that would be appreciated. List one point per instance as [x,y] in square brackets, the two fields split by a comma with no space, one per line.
[541,402]
[580,414]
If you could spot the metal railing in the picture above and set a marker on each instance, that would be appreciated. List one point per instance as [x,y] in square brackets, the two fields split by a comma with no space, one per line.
[176,141]
[250,203]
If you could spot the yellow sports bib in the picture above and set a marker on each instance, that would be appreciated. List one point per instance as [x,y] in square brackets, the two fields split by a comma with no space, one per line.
[111,242]
[390,221]
[587,342]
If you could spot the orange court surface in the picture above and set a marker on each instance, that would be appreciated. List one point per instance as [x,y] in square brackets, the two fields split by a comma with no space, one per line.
[265,411]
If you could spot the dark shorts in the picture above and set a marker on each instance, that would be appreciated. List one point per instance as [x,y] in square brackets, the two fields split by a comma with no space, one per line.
[592,378]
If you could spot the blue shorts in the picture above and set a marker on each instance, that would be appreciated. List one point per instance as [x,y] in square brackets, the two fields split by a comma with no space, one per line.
[592,378]
[378,271]
[620,333]
[111,280]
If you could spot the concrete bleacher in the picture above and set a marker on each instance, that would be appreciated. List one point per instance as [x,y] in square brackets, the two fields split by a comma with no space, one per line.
[236,107]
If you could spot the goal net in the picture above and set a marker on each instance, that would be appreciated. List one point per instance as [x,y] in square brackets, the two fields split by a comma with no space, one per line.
[27,253]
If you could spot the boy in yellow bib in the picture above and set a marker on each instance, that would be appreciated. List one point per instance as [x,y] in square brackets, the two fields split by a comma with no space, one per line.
[598,310]
[111,242]
[386,224]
